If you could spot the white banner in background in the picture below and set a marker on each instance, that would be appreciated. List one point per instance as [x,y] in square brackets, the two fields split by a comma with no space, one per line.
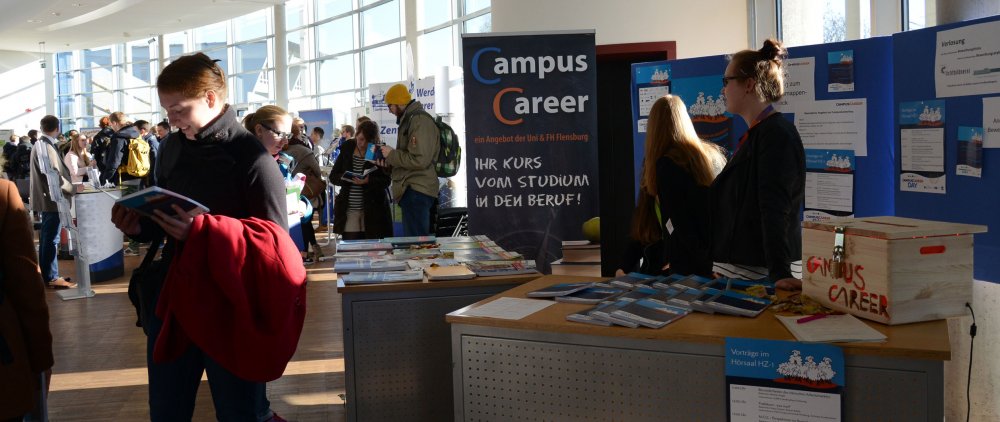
[422,90]
[968,60]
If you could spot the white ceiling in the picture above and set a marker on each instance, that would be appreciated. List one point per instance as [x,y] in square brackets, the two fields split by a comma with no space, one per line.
[76,24]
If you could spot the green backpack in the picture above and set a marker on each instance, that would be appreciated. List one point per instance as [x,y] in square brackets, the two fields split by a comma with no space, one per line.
[450,155]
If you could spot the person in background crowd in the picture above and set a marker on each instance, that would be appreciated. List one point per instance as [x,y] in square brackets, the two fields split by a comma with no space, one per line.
[24,329]
[162,130]
[215,161]
[304,161]
[154,147]
[316,137]
[299,132]
[78,161]
[757,198]
[672,217]
[414,180]
[48,172]
[99,145]
[362,208]
[116,157]
[8,156]
[271,124]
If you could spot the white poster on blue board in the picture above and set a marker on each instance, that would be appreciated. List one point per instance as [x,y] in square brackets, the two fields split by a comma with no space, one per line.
[968,60]
[829,184]
[650,81]
[921,146]
[772,380]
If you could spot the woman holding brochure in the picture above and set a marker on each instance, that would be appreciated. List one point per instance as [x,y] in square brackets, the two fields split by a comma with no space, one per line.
[361,209]
[215,161]
[757,199]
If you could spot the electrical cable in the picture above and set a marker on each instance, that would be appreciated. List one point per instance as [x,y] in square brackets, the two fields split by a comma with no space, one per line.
[968,382]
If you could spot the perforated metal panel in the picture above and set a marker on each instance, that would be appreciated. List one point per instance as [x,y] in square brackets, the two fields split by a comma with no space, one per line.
[506,380]
[901,395]
[401,352]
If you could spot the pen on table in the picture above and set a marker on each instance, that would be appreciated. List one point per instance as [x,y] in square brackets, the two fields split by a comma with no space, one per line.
[811,318]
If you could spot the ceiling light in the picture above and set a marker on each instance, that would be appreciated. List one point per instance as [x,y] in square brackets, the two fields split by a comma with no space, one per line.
[34,21]
[77,4]
[55,13]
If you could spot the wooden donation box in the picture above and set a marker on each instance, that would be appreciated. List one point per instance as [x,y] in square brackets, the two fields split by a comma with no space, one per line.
[891,270]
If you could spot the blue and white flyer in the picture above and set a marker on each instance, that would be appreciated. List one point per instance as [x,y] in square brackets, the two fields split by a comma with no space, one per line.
[829,184]
[651,83]
[773,380]
[968,60]
[840,69]
[921,141]
[970,151]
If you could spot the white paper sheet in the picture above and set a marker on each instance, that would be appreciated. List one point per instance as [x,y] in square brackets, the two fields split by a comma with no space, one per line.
[991,122]
[830,191]
[834,124]
[800,84]
[968,60]
[509,308]
[922,149]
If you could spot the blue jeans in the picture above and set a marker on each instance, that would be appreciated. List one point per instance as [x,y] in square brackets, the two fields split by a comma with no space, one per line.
[173,385]
[48,244]
[416,213]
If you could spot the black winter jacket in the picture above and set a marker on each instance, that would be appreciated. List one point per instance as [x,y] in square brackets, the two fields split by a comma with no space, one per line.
[757,200]
[377,212]
[117,155]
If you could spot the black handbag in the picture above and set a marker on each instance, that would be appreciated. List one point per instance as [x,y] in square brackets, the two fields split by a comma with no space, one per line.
[146,282]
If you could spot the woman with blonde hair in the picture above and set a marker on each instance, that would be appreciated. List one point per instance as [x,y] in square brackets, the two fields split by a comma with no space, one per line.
[78,160]
[677,171]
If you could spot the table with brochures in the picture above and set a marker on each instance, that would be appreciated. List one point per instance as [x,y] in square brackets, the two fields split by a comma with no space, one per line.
[543,367]
[397,353]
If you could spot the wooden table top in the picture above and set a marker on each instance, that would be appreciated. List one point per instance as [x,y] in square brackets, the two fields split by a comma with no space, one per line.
[324,273]
[923,340]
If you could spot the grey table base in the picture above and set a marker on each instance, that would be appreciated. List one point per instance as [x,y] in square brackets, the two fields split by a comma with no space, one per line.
[503,374]
[397,352]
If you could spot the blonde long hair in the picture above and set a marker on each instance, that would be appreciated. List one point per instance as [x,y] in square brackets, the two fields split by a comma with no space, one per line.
[671,134]
[74,145]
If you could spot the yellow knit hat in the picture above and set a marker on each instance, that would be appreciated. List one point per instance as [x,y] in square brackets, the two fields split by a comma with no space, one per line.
[398,94]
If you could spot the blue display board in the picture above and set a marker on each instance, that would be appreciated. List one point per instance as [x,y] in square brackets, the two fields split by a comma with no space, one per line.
[699,81]
[968,200]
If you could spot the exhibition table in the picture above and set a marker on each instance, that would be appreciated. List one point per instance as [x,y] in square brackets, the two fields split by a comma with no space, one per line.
[543,367]
[397,353]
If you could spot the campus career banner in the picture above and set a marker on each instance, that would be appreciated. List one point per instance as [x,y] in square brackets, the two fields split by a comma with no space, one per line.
[531,147]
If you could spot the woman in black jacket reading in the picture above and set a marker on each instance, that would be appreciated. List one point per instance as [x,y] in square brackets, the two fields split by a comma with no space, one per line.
[361,209]
[757,199]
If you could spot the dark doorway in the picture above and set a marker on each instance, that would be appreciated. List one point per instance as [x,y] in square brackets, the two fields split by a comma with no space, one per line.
[614,133]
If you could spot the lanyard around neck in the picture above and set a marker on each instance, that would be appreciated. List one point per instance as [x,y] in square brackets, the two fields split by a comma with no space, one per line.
[767,111]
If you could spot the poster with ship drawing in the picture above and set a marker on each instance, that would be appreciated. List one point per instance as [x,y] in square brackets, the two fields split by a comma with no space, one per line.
[784,380]
[921,152]
[707,108]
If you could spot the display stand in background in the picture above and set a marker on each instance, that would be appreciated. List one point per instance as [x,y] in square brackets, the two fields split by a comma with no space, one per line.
[98,243]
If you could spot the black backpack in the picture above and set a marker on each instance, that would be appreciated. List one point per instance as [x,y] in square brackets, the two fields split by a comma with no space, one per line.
[22,168]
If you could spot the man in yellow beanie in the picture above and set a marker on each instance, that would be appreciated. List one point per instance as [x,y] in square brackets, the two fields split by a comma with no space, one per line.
[414,180]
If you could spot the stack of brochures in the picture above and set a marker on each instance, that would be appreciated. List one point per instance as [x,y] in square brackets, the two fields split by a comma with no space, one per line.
[655,301]
[381,277]
[350,265]
[496,268]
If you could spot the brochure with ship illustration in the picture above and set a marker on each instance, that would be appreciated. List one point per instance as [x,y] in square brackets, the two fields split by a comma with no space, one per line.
[650,313]
[155,198]
[381,277]
[590,295]
[560,289]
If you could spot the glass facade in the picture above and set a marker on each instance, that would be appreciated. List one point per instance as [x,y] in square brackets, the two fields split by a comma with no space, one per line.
[335,49]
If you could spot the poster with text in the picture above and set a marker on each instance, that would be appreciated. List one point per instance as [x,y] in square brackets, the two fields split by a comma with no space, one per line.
[707,108]
[829,184]
[834,124]
[531,125]
[967,60]
[322,118]
[650,81]
[773,380]
[921,149]
[970,151]
[840,69]
[991,122]
[422,90]
[800,84]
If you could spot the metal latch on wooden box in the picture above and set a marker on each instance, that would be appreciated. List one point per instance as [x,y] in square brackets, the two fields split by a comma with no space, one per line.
[839,258]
